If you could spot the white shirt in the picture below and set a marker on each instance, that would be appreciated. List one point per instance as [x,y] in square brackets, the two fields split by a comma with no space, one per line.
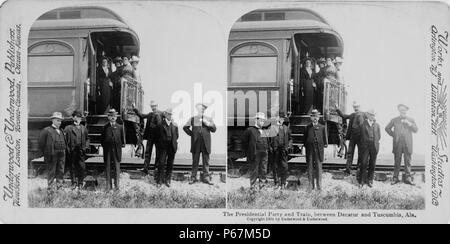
[168,121]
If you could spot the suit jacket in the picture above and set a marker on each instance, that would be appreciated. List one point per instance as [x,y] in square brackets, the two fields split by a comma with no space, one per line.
[249,140]
[365,133]
[396,128]
[113,138]
[71,137]
[356,120]
[47,139]
[275,142]
[315,136]
[154,119]
[162,134]
[196,131]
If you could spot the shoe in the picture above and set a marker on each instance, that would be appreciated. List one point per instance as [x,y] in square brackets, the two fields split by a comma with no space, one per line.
[395,182]
[208,182]
[145,171]
[158,185]
[192,182]
[370,184]
[167,184]
[409,183]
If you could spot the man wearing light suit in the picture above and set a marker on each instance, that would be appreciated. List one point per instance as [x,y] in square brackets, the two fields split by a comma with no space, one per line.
[199,128]
[401,129]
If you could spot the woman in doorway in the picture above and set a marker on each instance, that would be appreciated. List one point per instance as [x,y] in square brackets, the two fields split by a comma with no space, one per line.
[307,86]
[104,86]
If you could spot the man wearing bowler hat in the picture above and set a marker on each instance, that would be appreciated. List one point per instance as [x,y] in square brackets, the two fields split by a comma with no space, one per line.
[52,143]
[370,145]
[315,142]
[112,140]
[256,145]
[154,119]
[401,129]
[356,120]
[199,128]
[78,144]
[280,145]
[167,141]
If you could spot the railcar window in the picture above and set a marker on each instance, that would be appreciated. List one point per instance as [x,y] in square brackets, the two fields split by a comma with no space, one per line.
[43,59]
[253,63]
[253,69]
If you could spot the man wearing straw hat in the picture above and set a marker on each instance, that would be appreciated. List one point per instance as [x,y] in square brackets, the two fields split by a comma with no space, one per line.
[401,129]
[78,144]
[356,120]
[370,145]
[112,140]
[256,145]
[315,141]
[167,134]
[154,119]
[52,143]
[199,128]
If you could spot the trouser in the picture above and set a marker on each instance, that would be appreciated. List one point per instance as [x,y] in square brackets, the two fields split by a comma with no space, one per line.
[148,153]
[55,167]
[77,166]
[314,165]
[272,166]
[402,149]
[196,161]
[281,165]
[353,143]
[164,165]
[367,167]
[139,141]
[112,169]
[258,167]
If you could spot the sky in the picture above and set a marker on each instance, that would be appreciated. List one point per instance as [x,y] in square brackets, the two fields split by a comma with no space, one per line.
[184,54]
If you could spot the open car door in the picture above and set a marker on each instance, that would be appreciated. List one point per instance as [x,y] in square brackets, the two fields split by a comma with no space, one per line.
[334,95]
[294,88]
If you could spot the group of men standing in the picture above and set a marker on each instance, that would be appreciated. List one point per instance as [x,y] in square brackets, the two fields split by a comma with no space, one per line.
[162,133]
[66,149]
[364,133]
[270,143]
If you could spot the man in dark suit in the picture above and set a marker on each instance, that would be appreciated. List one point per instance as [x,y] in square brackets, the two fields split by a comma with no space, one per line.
[356,120]
[112,140]
[280,145]
[154,120]
[199,128]
[116,77]
[315,141]
[78,144]
[370,145]
[401,129]
[52,143]
[167,134]
[256,144]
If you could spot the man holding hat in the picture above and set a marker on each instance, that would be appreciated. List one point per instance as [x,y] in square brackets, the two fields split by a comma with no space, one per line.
[315,143]
[78,144]
[167,140]
[199,128]
[370,145]
[256,144]
[154,119]
[112,140]
[356,120]
[401,129]
[280,145]
[52,143]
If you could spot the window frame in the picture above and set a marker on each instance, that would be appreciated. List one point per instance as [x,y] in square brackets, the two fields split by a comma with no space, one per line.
[275,53]
[70,53]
